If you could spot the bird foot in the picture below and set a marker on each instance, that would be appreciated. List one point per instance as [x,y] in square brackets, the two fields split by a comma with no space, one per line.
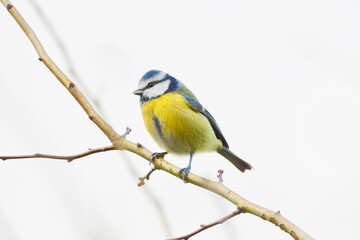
[184,172]
[156,155]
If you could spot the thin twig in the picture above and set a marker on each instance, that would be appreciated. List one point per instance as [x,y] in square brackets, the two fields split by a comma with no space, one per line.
[146,177]
[68,158]
[204,227]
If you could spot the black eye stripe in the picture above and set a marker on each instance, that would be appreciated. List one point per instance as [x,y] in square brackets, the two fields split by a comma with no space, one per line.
[151,84]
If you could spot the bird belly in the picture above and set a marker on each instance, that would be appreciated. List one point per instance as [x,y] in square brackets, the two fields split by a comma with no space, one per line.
[178,128]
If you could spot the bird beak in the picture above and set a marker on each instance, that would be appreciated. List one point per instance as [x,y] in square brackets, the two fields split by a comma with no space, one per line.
[138,92]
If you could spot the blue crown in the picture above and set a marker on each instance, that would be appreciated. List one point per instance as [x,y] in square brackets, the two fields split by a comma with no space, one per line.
[151,74]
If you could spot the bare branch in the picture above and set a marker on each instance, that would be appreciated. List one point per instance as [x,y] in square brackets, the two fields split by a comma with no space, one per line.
[68,158]
[204,227]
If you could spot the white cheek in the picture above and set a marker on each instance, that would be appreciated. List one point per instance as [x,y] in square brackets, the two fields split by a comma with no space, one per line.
[157,90]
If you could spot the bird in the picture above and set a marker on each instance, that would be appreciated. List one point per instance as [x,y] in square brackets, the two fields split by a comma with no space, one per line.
[177,121]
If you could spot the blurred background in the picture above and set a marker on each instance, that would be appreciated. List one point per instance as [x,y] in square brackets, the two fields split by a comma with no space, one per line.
[281,78]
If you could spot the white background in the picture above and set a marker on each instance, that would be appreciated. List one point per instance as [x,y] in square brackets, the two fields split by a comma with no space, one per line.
[280,77]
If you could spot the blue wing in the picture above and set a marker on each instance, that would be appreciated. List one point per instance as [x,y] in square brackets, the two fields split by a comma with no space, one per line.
[199,108]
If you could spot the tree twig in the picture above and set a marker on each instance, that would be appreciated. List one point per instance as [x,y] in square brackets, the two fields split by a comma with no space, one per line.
[146,177]
[68,158]
[120,143]
[204,227]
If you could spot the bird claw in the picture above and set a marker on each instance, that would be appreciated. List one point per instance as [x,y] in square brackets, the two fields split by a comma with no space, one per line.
[184,172]
[156,155]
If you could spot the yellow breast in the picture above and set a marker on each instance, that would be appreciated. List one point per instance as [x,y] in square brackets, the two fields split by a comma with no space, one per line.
[176,127]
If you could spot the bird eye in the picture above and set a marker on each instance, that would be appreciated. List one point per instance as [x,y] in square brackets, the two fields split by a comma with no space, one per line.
[151,84]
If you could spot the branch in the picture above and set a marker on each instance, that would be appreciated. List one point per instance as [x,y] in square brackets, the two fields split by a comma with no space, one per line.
[120,143]
[68,158]
[204,227]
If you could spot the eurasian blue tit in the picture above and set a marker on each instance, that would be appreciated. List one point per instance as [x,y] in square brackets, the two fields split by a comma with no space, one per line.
[178,122]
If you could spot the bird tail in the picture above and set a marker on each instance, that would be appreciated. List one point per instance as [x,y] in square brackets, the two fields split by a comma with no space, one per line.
[238,162]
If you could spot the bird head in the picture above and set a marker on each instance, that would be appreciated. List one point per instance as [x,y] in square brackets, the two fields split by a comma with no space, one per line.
[154,84]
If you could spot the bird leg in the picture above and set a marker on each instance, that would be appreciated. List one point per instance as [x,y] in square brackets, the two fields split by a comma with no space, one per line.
[186,170]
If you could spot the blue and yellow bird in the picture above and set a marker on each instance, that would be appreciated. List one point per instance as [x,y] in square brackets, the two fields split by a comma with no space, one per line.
[178,122]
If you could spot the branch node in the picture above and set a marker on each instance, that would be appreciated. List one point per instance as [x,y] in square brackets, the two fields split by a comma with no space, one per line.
[40,59]
[272,219]
[91,117]
[138,145]
[71,85]
[293,234]
[9,6]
